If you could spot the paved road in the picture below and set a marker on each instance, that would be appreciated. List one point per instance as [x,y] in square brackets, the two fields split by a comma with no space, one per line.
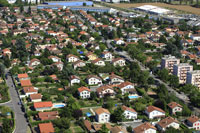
[20,120]
[184,98]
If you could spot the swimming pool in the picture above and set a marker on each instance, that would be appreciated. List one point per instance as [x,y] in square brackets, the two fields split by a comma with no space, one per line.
[133,97]
[58,105]
[88,114]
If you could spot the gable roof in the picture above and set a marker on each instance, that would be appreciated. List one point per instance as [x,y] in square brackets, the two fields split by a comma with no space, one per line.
[193,119]
[128,109]
[167,121]
[43,104]
[152,108]
[83,89]
[26,82]
[46,128]
[88,125]
[102,88]
[24,75]
[124,84]
[35,96]
[48,115]
[101,110]
[173,105]
[143,127]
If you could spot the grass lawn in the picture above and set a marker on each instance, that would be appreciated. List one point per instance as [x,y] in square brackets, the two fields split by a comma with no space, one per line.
[78,129]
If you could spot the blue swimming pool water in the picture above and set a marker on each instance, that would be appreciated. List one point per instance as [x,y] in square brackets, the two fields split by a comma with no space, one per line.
[88,114]
[133,97]
[58,106]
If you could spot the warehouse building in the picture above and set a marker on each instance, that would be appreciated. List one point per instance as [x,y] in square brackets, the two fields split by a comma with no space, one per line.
[154,10]
[91,9]
[69,3]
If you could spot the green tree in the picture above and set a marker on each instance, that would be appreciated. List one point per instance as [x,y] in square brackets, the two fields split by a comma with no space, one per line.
[117,116]
[104,129]
[3,3]
[6,126]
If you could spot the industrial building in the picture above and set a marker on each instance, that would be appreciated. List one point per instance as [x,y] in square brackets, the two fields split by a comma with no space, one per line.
[193,78]
[69,3]
[154,10]
[91,9]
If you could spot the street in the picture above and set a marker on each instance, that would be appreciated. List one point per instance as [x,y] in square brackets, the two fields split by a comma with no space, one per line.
[20,120]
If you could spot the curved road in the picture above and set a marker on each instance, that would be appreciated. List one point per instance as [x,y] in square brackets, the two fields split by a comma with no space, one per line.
[20,120]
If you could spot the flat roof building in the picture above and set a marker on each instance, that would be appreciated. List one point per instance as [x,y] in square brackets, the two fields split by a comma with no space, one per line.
[152,10]
[180,70]
[69,3]
[193,78]
[168,62]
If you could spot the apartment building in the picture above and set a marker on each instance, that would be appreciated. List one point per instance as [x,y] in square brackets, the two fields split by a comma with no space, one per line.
[193,78]
[168,62]
[180,70]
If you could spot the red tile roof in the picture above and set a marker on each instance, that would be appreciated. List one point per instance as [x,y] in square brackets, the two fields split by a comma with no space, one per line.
[42,104]
[46,128]
[48,115]
[24,75]
[35,96]
[26,83]
[83,89]
[152,108]
[173,105]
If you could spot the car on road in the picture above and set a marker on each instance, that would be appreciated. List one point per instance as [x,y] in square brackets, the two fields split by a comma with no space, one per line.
[19,103]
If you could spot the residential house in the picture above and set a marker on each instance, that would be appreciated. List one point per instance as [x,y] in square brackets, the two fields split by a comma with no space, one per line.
[127,87]
[166,123]
[119,61]
[29,90]
[107,56]
[25,83]
[118,129]
[34,62]
[174,107]
[193,122]
[54,58]
[46,128]
[6,52]
[42,106]
[105,90]
[48,115]
[98,62]
[145,128]
[129,113]
[74,80]
[23,76]
[84,92]
[72,58]
[88,126]
[36,97]
[91,56]
[102,115]
[59,65]
[78,64]
[119,41]
[94,80]
[154,112]
[115,79]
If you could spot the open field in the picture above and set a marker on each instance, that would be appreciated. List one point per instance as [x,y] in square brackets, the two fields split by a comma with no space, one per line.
[184,8]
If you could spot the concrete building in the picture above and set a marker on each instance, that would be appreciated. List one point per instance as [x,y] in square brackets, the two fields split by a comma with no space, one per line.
[69,3]
[180,70]
[193,78]
[168,62]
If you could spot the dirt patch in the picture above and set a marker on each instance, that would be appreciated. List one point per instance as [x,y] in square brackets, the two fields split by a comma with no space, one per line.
[185,8]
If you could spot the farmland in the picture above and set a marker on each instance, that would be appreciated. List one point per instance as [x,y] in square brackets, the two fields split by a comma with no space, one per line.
[184,8]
